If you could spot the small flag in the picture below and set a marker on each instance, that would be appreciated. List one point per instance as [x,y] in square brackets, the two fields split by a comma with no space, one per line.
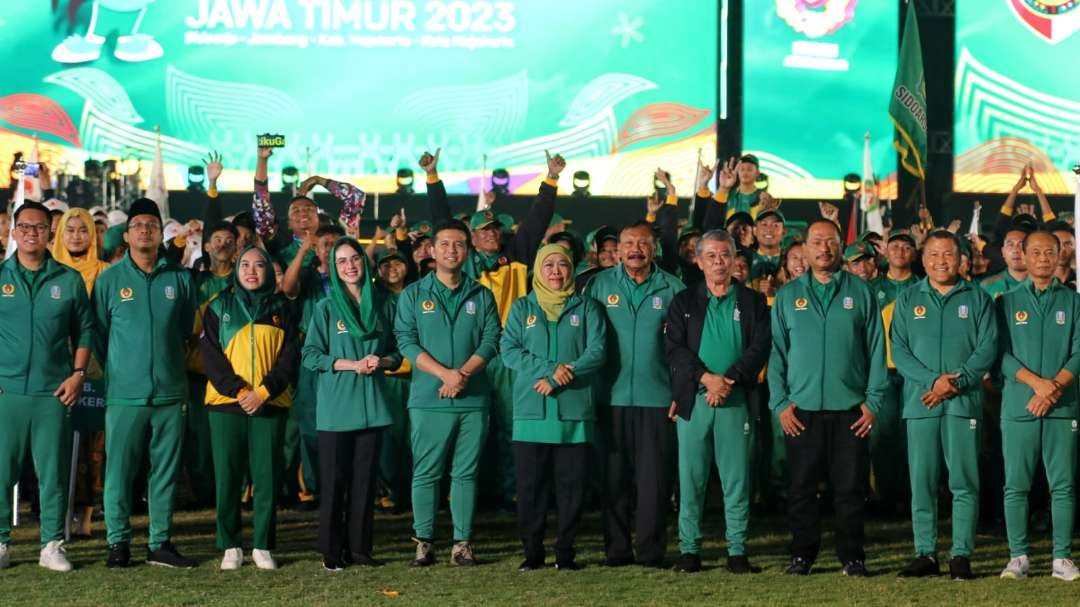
[869,203]
[157,190]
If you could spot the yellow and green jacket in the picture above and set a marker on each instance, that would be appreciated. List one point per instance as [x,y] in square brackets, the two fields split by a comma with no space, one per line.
[257,350]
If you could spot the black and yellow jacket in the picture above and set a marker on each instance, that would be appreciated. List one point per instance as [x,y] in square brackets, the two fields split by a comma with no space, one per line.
[240,352]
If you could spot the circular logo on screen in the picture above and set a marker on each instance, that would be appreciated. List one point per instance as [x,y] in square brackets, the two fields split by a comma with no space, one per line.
[1051,20]
[816,18]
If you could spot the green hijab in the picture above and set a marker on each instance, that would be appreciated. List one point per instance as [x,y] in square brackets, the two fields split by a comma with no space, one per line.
[551,300]
[360,319]
[253,301]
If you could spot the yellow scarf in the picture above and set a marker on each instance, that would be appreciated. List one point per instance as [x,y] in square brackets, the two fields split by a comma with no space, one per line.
[552,300]
[89,266]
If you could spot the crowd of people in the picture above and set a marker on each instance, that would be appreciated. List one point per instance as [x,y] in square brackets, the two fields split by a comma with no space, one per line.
[539,369]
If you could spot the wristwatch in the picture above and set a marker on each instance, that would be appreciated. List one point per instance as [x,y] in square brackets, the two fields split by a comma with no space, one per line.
[81,371]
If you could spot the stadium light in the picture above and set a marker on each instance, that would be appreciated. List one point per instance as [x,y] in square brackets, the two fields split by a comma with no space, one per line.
[500,182]
[405,181]
[582,182]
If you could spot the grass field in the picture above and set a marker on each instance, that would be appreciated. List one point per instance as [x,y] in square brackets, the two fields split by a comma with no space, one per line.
[301,579]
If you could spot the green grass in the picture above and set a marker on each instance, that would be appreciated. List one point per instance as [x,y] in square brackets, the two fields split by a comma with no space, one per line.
[301,579]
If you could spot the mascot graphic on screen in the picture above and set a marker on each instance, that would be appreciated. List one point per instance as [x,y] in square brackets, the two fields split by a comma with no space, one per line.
[132,47]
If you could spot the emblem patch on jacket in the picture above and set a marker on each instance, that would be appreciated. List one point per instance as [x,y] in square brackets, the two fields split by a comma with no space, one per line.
[920,312]
[657,303]
[800,303]
[54,292]
[963,312]
[530,321]
[127,294]
[612,300]
[470,307]
[170,292]
[849,303]
[341,328]
[1021,317]
[7,290]
[427,306]
[1059,317]
[575,320]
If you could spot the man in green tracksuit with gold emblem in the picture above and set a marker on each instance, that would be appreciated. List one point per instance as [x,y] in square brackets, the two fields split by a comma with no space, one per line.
[826,410]
[717,342]
[145,308]
[448,325]
[44,312]
[944,340]
[635,296]
[1040,358]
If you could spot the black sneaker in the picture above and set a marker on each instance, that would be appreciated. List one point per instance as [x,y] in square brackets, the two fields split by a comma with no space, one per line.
[332,564]
[618,561]
[739,564]
[531,565]
[855,569]
[960,568]
[921,566]
[688,563]
[799,566]
[567,564]
[119,556]
[167,556]
[364,560]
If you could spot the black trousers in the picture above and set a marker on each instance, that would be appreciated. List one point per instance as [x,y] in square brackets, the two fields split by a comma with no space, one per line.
[639,471]
[347,463]
[829,446]
[540,466]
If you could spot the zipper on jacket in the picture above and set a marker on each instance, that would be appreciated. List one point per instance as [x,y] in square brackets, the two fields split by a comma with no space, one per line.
[150,312]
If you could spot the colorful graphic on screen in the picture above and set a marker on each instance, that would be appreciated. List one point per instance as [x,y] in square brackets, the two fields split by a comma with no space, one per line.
[359,88]
[816,79]
[1017,94]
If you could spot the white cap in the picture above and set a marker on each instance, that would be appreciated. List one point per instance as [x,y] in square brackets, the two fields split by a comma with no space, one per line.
[55,204]
[98,212]
[116,217]
[172,228]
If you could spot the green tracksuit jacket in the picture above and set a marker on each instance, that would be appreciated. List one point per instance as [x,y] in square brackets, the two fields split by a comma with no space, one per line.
[579,341]
[827,356]
[1043,336]
[954,333]
[422,324]
[347,400]
[636,368]
[38,327]
[145,321]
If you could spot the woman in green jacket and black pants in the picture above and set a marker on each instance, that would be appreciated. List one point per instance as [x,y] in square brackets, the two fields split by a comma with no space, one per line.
[554,341]
[350,344]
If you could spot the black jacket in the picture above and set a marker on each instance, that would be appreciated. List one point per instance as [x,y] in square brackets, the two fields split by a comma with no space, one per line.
[686,321]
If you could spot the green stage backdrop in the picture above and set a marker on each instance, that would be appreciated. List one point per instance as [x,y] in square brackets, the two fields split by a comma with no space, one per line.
[817,76]
[1017,93]
[360,87]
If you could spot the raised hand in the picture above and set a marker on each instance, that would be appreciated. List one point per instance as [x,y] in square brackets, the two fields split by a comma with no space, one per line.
[954,226]
[1022,181]
[213,167]
[767,202]
[430,163]
[397,220]
[652,204]
[265,153]
[704,175]
[555,164]
[310,182]
[728,176]
[829,211]
[488,199]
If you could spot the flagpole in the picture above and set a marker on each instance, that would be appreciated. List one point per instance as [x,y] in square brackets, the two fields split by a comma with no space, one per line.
[1076,210]
[693,197]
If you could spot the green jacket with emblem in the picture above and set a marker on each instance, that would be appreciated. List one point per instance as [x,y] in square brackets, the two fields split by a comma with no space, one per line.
[348,400]
[932,335]
[145,322]
[1042,339]
[579,341]
[636,368]
[39,327]
[423,325]
[827,357]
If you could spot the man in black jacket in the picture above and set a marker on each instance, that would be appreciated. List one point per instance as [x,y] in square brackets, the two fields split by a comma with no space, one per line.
[717,341]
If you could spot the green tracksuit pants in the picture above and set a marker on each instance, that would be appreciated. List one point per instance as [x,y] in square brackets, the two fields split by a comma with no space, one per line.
[44,423]
[720,434]
[439,439]
[245,447]
[887,448]
[303,412]
[127,432]
[197,459]
[498,461]
[394,467]
[928,441]
[1023,443]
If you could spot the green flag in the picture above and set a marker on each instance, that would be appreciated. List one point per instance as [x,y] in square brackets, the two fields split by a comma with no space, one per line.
[907,108]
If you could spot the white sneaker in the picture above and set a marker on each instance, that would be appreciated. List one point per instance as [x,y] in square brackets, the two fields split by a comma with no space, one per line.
[1064,569]
[233,559]
[54,557]
[5,558]
[1016,569]
[263,559]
